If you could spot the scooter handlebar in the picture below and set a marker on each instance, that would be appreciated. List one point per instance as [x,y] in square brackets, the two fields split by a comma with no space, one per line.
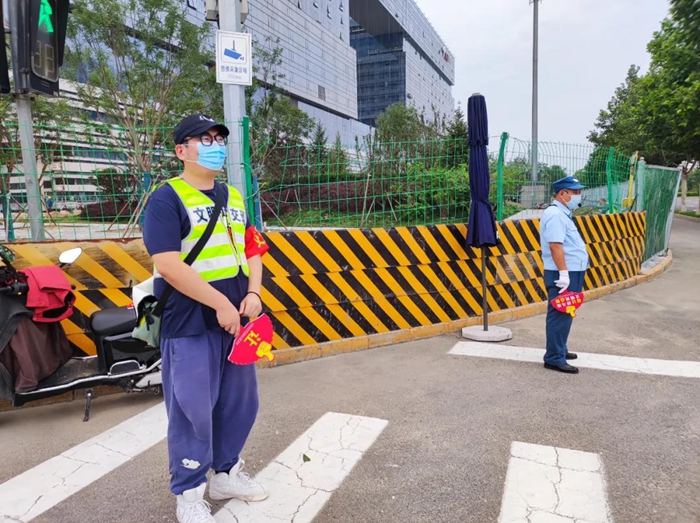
[15,289]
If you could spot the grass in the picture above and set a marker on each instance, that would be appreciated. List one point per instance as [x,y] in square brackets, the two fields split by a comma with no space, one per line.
[692,214]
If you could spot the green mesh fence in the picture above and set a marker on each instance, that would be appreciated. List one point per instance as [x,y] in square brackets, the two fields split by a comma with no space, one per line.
[604,171]
[374,185]
[94,178]
[657,188]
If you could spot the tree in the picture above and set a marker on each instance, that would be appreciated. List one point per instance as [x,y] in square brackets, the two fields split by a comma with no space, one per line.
[338,159]
[672,101]
[399,123]
[143,66]
[660,111]
[51,119]
[458,145]
[318,153]
[278,128]
[620,124]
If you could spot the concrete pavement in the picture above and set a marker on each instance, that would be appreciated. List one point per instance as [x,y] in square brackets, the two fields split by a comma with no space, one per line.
[451,420]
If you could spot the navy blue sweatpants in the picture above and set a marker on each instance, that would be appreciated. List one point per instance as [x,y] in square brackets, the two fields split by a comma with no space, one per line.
[559,323]
[211,403]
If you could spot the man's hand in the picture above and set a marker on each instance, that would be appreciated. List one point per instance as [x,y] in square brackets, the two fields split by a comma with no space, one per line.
[228,318]
[251,306]
[563,282]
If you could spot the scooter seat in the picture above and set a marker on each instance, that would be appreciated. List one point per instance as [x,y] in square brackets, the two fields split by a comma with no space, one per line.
[121,320]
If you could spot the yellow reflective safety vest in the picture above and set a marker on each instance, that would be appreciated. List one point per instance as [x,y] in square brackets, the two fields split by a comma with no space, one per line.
[224,254]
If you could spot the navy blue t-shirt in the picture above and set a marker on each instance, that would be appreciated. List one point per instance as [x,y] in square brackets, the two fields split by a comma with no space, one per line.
[166,224]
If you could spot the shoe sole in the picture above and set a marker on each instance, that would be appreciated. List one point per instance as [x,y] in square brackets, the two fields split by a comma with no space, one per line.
[550,367]
[221,497]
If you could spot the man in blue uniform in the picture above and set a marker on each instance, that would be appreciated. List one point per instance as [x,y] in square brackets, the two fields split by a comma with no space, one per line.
[211,403]
[565,262]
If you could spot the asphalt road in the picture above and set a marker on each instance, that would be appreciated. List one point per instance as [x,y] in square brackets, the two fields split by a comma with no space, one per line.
[444,454]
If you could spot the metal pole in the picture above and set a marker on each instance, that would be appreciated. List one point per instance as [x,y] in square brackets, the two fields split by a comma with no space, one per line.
[484,289]
[535,59]
[234,103]
[31,180]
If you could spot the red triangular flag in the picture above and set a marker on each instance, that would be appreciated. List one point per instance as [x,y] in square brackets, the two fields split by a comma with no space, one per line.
[568,302]
[253,342]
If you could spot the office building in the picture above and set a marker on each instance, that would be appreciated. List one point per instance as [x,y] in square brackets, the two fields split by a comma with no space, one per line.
[400,59]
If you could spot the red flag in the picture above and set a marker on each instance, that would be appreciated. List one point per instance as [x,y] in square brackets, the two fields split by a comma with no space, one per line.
[253,342]
[568,302]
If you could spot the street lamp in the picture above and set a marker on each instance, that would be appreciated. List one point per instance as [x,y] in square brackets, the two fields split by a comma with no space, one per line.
[535,42]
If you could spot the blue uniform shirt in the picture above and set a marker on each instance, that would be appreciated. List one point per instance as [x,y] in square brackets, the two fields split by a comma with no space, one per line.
[165,226]
[557,226]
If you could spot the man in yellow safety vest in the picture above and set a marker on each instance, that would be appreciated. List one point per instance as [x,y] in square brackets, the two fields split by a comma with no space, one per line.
[211,403]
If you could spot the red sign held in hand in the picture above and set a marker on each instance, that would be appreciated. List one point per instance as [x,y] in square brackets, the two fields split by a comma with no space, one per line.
[568,302]
[253,342]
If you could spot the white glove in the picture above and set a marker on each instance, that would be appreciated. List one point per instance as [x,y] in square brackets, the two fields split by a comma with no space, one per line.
[563,282]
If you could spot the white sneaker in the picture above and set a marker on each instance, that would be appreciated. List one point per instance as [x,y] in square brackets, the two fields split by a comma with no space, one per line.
[191,507]
[236,484]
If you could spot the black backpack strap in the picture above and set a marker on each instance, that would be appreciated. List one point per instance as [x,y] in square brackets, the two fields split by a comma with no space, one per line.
[199,246]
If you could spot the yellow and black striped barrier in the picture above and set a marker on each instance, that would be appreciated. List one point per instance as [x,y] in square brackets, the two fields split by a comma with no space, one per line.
[329,285]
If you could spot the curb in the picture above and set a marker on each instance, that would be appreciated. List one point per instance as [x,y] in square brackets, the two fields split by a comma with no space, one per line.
[686,217]
[333,348]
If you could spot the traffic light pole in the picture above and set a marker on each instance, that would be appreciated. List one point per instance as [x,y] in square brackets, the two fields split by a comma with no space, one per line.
[31,178]
[234,103]
[26,132]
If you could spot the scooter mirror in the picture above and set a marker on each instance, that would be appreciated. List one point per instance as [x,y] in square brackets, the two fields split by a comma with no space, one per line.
[6,254]
[70,255]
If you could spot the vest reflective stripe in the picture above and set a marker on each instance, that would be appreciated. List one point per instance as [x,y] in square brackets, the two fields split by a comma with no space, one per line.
[219,259]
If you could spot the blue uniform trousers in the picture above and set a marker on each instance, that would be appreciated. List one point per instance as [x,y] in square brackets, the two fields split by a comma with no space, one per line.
[211,404]
[559,323]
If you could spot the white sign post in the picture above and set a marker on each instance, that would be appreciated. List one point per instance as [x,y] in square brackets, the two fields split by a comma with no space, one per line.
[234,61]
[234,69]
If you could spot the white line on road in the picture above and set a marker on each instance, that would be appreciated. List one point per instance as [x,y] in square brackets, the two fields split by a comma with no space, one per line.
[554,485]
[35,491]
[682,369]
[300,488]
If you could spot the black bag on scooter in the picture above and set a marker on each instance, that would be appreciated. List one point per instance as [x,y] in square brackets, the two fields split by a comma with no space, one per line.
[150,308]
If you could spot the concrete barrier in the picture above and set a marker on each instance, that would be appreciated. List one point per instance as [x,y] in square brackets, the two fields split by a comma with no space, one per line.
[335,291]
[345,285]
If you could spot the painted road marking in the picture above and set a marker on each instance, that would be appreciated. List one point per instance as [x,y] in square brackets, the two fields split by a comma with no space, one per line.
[554,485]
[300,488]
[35,491]
[681,369]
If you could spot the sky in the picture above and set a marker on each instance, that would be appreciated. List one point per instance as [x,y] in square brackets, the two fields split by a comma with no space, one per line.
[585,50]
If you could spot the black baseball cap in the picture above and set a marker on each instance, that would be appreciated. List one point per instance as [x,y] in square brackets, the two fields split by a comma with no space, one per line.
[197,125]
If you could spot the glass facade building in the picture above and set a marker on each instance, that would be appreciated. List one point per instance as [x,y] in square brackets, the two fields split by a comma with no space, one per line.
[400,59]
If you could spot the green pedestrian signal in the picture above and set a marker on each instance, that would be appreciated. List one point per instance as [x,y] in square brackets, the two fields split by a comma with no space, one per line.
[45,16]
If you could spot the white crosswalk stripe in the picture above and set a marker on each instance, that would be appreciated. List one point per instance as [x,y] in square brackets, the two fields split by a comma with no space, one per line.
[554,485]
[300,486]
[681,369]
[24,497]
[301,479]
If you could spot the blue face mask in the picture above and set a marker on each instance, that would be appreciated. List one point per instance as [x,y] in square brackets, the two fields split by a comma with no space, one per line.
[211,157]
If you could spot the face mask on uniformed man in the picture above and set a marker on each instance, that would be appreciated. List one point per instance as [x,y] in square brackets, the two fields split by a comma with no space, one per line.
[575,202]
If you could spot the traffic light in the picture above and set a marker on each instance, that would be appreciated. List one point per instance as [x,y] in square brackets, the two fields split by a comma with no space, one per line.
[4,70]
[39,45]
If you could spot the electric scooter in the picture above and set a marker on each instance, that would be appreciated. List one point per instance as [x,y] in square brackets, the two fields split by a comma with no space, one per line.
[121,360]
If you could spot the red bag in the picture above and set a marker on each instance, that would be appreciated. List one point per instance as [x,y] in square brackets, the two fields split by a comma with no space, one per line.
[568,302]
[50,294]
[253,342]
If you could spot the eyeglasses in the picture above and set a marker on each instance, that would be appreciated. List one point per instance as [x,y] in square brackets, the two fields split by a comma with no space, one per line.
[207,139]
